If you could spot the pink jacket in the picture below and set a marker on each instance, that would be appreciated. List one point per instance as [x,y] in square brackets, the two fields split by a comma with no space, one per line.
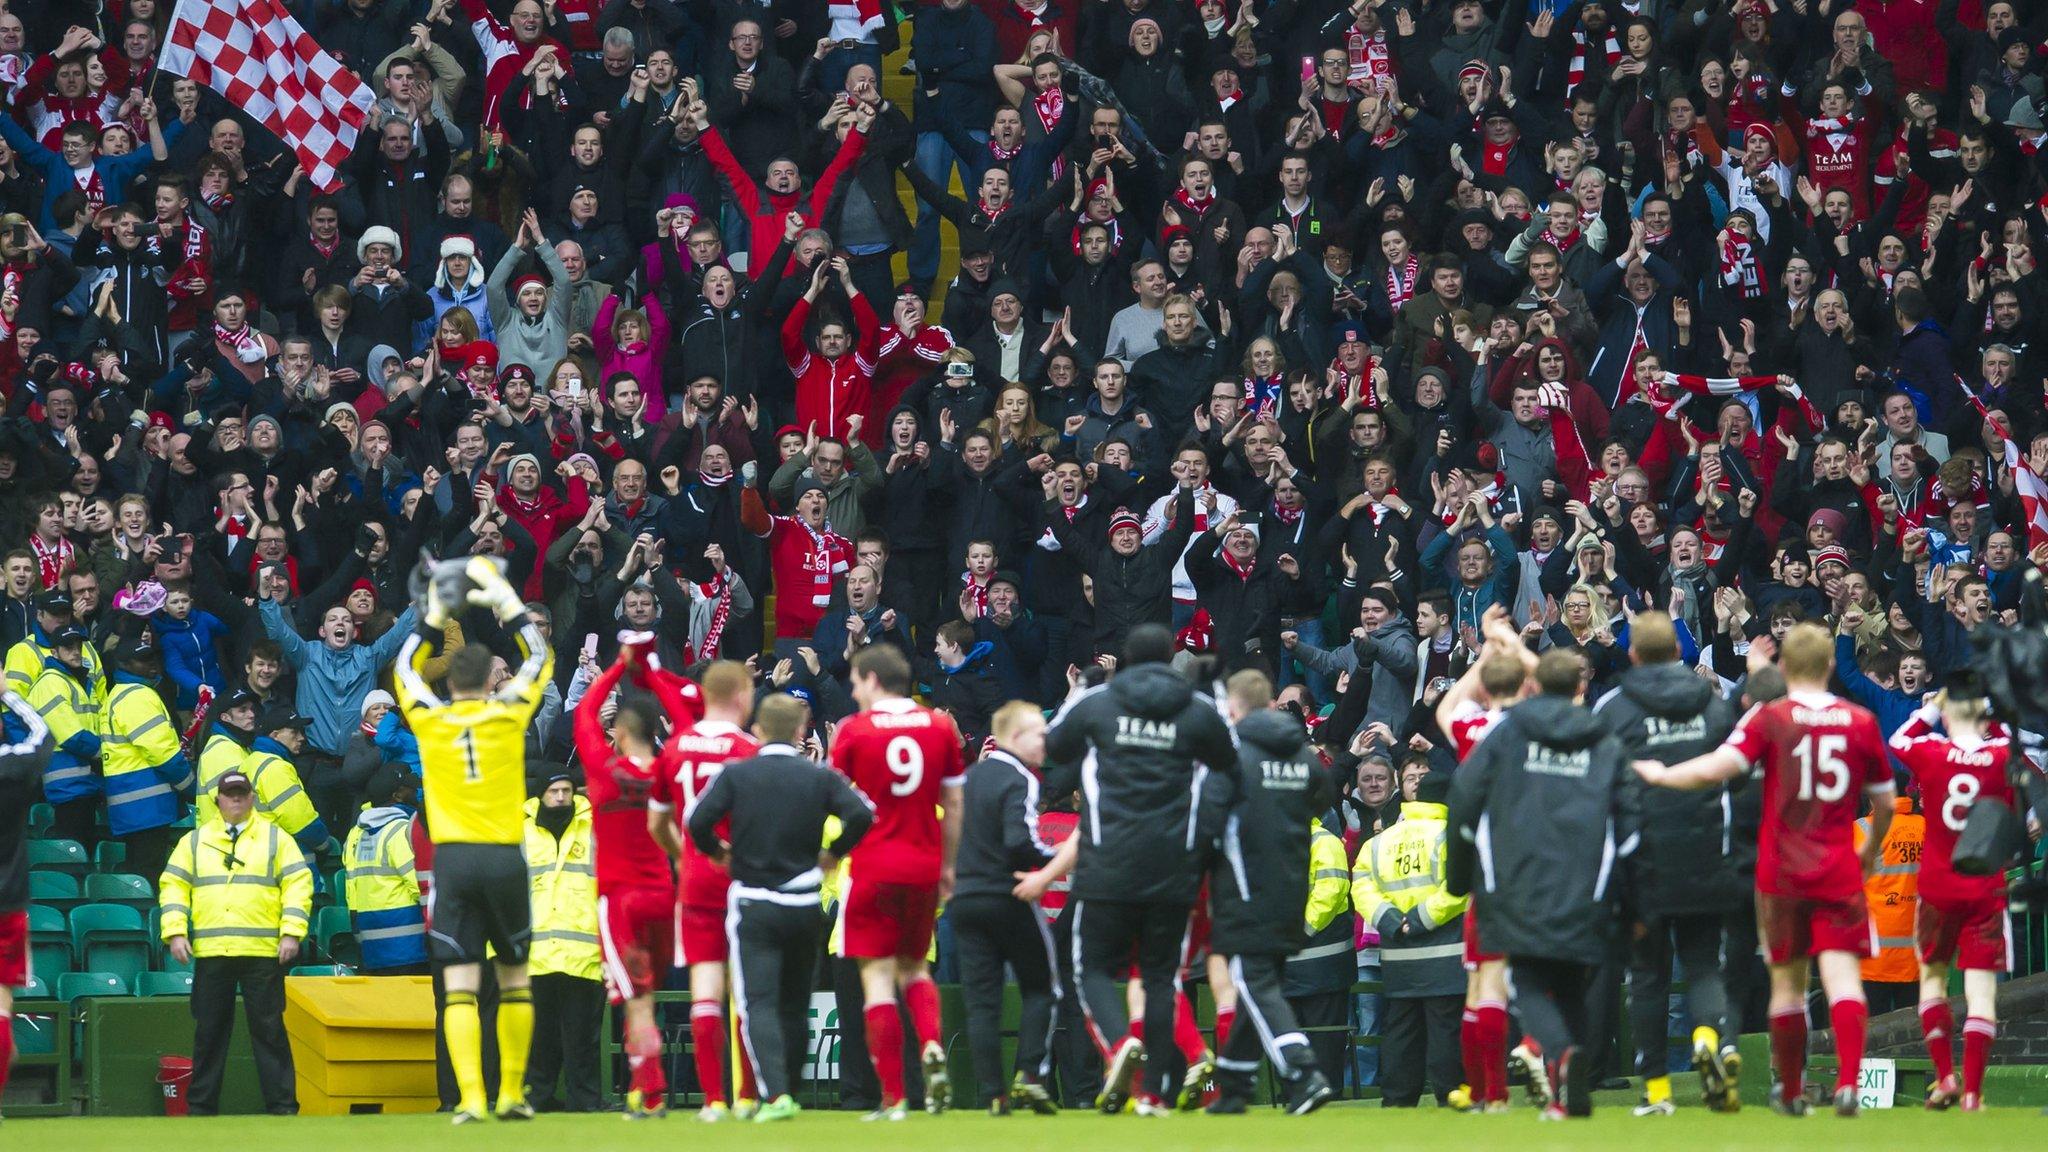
[643,362]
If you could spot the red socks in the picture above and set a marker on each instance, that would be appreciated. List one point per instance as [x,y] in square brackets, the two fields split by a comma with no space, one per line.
[922,998]
[1490,1037]
[1186,1036]
[885,1048]
[1978,1033]
[1788,1049]
[1938,1025]
[1468,1052]
[707,1037]
[1851,1019]
[1225,1017]
[7,1048]
[643,1056]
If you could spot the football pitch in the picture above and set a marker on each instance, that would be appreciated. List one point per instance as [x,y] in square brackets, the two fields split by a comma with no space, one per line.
[1338,1126]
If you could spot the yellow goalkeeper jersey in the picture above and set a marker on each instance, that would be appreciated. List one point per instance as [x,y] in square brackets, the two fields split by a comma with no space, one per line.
[473,752]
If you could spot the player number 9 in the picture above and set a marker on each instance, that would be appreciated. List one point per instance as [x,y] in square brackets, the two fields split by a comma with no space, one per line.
[906,763]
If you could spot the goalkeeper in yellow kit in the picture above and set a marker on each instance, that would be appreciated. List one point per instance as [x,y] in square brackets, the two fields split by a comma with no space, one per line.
[473,767]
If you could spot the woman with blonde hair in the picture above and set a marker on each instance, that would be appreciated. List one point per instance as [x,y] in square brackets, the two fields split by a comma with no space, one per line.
[1265,378]
[1014,420]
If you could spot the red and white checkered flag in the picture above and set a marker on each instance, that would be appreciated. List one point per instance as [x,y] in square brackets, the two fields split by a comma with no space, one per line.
[256,55]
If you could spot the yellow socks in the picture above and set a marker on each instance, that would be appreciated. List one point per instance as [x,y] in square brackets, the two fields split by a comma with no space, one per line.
[515,1037]
[1707,1036]
[1657,1089]
[464,1032]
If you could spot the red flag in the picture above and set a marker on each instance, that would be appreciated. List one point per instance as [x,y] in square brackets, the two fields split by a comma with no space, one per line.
[256,55]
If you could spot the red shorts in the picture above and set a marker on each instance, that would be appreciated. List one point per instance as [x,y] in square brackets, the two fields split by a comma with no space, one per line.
[700,935]
[1974,937]
[636,927]
[887,920]
[1794,927]
[14,966]
[1473,956]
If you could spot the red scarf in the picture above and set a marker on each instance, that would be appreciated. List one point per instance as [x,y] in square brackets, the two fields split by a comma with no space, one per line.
[719,590]
[326,250]
[247,344]
[1287,515]
[1049,105]
[993,214]
[1563,243]
[1001,153]
[52,560]
[979,592]
[1739,267]
[1116,231]
[1243,568]
[1189,206]
[1575,74]
[1401,281]
[1494,159]
[827,556]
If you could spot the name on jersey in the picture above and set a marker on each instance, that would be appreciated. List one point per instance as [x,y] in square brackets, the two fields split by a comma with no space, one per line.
[1658,730]
[1975,758]
[1821,717]
[1289,775]
[1137,732]
[900,719]
[1543,760]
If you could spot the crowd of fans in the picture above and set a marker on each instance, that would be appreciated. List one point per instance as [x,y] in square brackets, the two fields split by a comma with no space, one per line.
[1314,330]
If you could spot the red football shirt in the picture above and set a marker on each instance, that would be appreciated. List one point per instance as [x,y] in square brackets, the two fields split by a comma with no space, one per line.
[695,755]
[1469,726]
[902,756]
[1952,777]
[621,790]
[1816,751]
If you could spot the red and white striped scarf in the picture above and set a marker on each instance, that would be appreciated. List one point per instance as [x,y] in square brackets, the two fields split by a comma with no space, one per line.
[718,590]
[1575,75]
[1739,269]
[976,591]
[1401,281]
[1563,244]
[1049,105]
[52,560]
[825,559]
[248,345]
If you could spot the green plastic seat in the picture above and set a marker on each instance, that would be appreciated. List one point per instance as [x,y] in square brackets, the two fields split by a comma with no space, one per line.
[163,984]
[49,939]
[59,855]
[56,889]
[334,938]
[322,970]
[73,985]
[109,856]
[106,923]
[41,818]
[121,888]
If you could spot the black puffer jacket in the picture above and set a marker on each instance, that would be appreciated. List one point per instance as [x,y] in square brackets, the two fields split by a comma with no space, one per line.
[1258,880]
[1686,862]
[1139,749]
[1541,811]
[1129,590]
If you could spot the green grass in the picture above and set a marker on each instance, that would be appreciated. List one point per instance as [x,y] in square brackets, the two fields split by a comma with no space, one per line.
[1337,1127]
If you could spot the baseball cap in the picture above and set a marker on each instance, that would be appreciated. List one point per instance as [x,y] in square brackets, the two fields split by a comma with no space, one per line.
[232,782]
[68,635]
[280,716]
[236,698]
[55,601]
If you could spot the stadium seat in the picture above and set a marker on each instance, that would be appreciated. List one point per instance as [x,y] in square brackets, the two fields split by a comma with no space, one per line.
[106,924]
[120,888]
[163,984]
[37,988]
[110,856]
[35,1033]
[58,856]
[41,818]
[58,890]
[322,970]
[338,884]
[334,938]
[72,985]
[49,940]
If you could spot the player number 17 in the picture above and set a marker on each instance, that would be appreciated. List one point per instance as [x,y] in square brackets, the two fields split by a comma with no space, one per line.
[1822,774]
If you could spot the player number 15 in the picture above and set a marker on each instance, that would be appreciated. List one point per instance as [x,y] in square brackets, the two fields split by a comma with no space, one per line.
[1822,774]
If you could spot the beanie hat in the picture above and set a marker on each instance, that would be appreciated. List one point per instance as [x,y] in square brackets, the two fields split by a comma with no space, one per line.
[1124,518]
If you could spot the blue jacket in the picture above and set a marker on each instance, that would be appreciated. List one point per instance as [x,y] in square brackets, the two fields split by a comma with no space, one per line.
[191,653]
[1470,604]
[332,683]
[1892,707]
[397,744]
[115,171]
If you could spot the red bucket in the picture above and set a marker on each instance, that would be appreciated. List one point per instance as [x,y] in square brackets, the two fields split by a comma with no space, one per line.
[174,1076]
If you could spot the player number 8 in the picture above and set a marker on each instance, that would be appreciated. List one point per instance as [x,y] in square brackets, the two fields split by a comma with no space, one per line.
[1962,792]
[906,762]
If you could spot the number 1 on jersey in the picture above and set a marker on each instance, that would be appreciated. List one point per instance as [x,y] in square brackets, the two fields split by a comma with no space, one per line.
[471,770]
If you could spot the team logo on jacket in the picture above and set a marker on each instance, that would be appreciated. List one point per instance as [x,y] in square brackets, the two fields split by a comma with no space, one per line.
[1546,761]
[1138,732]
[1291,775]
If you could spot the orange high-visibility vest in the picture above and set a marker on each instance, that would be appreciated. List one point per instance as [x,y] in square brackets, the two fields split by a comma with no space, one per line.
[1893,891]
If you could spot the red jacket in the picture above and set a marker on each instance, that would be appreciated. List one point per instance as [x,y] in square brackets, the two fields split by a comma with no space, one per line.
[829,391]
[805,567]
[543,517]
[765,210]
